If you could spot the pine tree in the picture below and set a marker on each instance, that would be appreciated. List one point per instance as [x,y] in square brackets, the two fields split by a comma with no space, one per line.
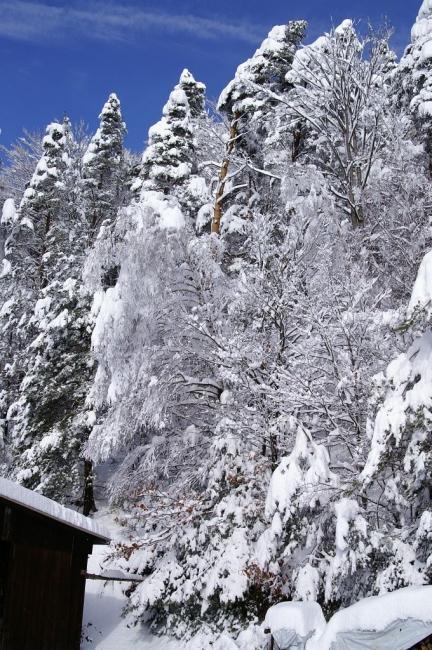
[413,79]
[25,267]
[195,92]
[39,207]
[246,102]
[47,420]
[167,159]
[104,173]
[211,558]
[400,456]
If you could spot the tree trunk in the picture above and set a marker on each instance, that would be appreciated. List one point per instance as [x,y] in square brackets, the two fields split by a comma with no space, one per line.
[297,143]
[89,504]
[217,212]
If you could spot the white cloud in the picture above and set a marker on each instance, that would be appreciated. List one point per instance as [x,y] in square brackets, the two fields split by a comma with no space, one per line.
[33,22]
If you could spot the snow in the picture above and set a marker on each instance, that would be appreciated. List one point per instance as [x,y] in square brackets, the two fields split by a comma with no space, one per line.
[347,510]
[42,307]
[40,504]
[306,467]
[303,59]
[197,187]
[272,47]
[204,216]
[388,613]
[421,297]
[7,307]
[409,378]
[104,626]
[6,268]
[60,321]
[303,618]
[170,216]
[308,583]
[9,212]
[345,26]
[425,10]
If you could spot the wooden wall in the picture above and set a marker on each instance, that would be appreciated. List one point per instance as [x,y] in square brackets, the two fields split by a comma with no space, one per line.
[44,590]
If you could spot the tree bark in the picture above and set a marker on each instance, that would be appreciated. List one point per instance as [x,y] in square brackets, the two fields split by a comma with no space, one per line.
[217,211]
[89,504]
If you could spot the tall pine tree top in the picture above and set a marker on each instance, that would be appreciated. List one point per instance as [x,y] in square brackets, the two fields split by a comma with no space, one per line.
[26,247]
[268,67]
[46,177]
[168,159]
[195,92]
[103,165]
[415,69]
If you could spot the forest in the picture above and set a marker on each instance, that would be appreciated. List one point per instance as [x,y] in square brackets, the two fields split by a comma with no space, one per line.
[231,332]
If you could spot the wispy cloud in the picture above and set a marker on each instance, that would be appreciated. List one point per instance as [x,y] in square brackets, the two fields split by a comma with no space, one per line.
[36,21]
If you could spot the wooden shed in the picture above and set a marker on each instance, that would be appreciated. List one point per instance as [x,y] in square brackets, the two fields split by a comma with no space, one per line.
[43,558]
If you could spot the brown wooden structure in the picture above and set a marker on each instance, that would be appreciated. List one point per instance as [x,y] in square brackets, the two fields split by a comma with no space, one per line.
[43,553]
[426,644]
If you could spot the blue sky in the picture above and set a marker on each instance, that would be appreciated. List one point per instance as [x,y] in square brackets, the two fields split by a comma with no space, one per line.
[59,57]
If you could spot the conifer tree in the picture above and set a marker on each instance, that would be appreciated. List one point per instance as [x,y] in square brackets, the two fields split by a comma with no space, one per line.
[40,205]
[167,159]
[170,157]
[246,104]
[104,171]
[48,417]
[170,162]
[413,78]
[400,455]
[195,92]
[25,267]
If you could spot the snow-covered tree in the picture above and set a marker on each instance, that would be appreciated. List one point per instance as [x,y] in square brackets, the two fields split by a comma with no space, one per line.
[25,266]
[204,575]
[47,419]
[341,96]
[19,164]
[170,161]
[400,458]
[413,79]
[297,505]
[246,103]
[104,173]
[39,207]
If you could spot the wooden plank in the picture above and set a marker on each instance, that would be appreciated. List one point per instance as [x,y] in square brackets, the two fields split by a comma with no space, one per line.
[39,594]
[426,644]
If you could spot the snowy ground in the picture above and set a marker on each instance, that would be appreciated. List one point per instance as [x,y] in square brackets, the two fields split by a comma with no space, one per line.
[104,628]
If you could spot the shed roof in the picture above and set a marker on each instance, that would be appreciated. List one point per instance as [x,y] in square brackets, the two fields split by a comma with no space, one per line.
[42,505]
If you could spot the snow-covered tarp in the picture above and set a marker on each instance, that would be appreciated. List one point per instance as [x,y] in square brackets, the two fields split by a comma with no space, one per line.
[40,504]
[292,624]
[398,620]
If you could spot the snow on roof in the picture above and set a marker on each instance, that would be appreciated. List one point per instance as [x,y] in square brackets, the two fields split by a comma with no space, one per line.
[40,504]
